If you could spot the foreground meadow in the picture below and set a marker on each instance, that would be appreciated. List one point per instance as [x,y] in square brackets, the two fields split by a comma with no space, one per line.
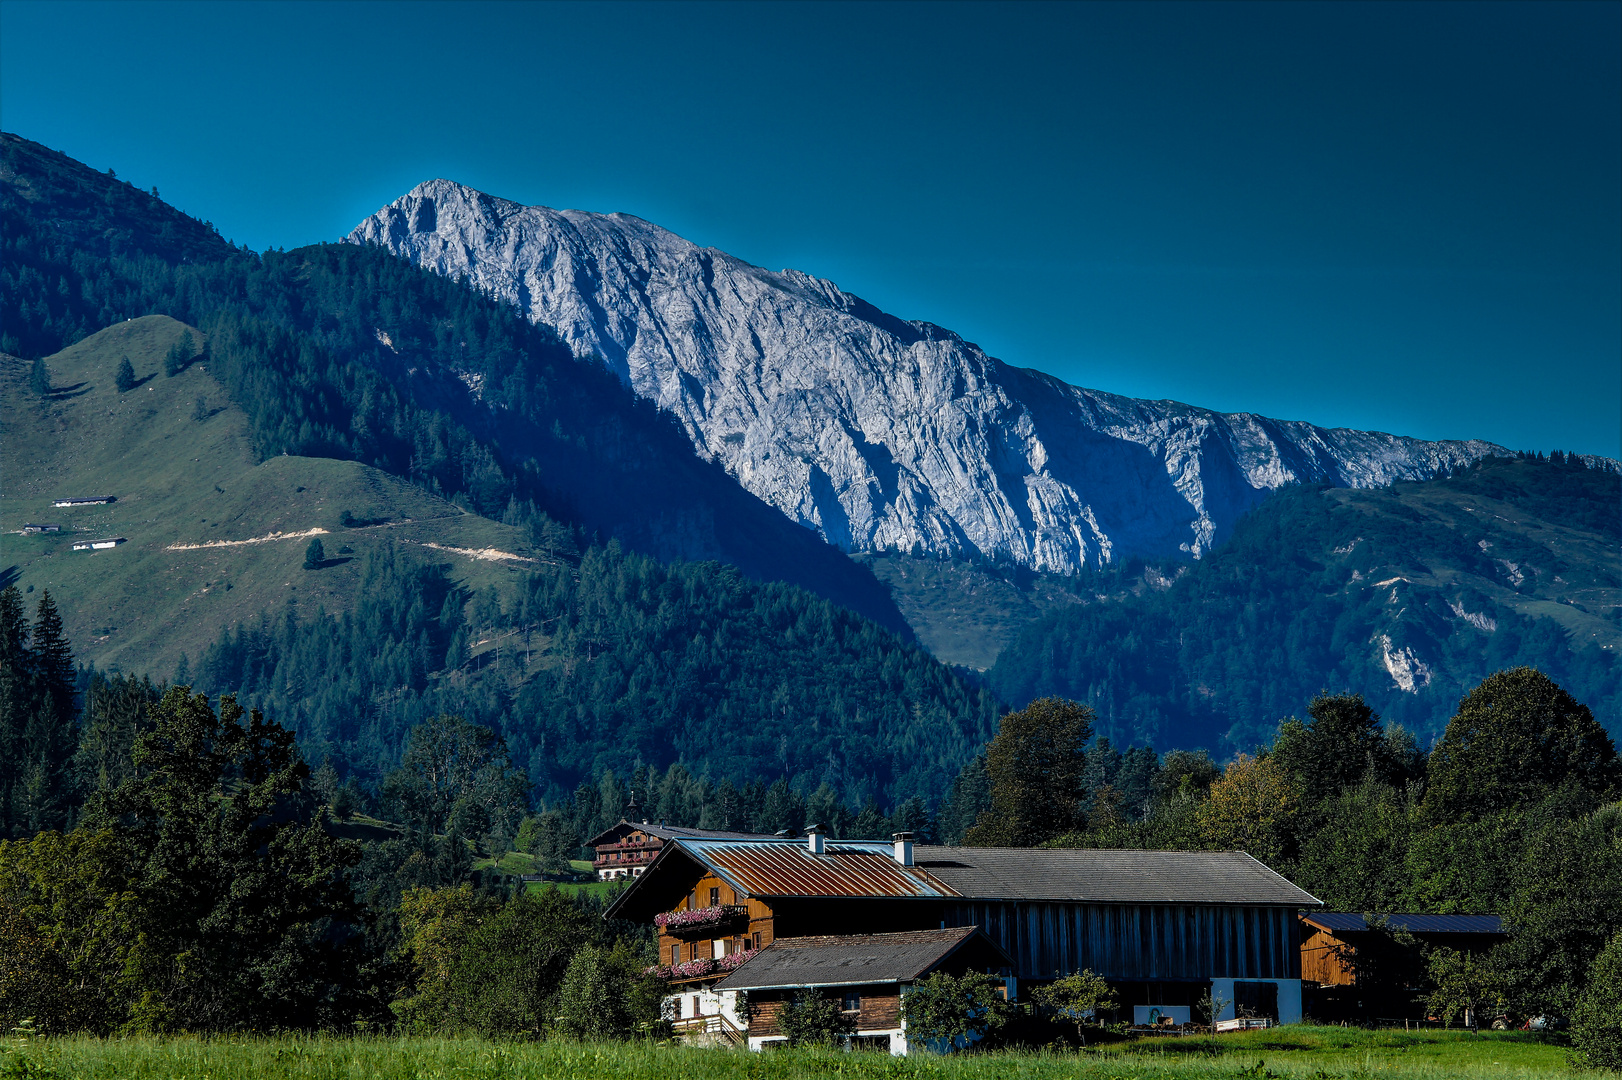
[1317,1053]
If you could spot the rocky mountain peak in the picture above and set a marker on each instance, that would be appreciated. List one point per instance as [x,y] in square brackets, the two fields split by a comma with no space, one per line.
[881,433]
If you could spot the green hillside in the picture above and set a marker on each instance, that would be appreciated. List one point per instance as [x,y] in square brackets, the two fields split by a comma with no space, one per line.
[1408,595]
[966,613]
[195,505]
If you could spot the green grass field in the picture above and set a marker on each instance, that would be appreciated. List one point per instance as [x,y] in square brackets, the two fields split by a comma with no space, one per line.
[187,479]
[1316,1053]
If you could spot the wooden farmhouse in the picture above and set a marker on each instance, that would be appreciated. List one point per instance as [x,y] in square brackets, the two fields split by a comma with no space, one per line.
[626,849]
[1166,928]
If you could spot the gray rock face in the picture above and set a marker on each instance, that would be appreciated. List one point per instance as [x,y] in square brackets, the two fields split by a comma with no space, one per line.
[881,434]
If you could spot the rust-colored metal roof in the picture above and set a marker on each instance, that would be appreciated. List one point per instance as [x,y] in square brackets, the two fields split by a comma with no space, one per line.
[767,868]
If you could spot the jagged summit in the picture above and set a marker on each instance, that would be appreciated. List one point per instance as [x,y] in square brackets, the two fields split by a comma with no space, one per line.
[881,433]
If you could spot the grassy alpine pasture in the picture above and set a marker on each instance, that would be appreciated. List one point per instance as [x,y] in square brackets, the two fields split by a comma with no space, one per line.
[178,454]
[1306,1052]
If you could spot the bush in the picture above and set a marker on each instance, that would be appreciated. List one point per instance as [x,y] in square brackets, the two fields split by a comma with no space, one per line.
[814,1020]
[1596,1027]
[595,1001]
[479,964]
[955,1009]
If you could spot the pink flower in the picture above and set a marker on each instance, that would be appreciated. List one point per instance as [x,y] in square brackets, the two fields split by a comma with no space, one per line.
[704,916]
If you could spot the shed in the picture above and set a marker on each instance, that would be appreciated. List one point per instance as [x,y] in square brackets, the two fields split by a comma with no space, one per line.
[1329,938]
[87,500]
[32,528]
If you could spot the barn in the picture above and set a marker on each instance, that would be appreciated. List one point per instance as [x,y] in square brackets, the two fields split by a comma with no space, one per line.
[1336,944]
[1166,928]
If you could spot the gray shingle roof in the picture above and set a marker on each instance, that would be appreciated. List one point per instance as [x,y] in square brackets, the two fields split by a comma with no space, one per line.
[1110,876]
[1341,922]
[847,960]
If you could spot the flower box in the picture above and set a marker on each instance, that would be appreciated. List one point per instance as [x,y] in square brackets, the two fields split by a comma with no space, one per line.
[705,918]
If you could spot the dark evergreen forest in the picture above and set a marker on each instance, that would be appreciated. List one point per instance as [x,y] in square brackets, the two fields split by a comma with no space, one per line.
[615,664]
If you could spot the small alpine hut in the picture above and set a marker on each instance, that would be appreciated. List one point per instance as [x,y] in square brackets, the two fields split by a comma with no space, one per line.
[99,545]
[1165,928]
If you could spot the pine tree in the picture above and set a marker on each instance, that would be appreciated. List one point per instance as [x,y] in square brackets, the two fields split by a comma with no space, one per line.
[179,355]
[314,555]
[39,378]
[125,379]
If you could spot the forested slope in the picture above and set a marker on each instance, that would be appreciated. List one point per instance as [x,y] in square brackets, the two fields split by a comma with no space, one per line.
[614,664]
[1408,595]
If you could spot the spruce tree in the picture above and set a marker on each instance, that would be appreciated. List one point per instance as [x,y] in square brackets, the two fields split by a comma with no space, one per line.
[125,379]
[16,697]
[314,555]
[179,355]
[42,793]
[53,656]
[39,378]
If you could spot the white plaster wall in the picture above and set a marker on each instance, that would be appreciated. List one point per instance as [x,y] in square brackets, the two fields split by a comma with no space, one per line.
[1289,998]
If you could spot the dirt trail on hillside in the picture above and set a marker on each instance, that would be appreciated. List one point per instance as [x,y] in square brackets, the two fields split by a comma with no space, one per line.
[268,538]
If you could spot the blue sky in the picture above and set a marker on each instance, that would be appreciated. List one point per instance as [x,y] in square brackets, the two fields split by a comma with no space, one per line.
[1388,216]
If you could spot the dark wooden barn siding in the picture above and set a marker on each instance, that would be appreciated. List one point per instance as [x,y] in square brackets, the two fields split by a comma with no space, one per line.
[1148,942]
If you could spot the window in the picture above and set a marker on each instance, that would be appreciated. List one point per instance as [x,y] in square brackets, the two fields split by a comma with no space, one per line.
[737,944]
[852,1001]
[692,900]
[675,955]
[756,937]
[715,896]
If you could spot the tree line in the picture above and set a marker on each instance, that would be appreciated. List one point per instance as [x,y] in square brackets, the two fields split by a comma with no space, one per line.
[1515,811]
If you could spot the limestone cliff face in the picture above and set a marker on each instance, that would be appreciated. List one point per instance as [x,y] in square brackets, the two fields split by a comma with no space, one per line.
[880,433]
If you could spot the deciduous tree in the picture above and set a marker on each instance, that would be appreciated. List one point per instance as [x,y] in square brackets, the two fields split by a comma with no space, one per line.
[957,1010]
[1516,738]
[1251,809]
[1036,764]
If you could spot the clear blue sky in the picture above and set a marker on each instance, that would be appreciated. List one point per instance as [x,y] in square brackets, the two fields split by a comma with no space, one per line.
[1400,217]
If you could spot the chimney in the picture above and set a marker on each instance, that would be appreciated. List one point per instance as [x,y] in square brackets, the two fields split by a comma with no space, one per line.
[903,848]
[814,839]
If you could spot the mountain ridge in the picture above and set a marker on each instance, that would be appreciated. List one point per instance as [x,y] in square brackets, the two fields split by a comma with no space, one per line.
[882,434]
